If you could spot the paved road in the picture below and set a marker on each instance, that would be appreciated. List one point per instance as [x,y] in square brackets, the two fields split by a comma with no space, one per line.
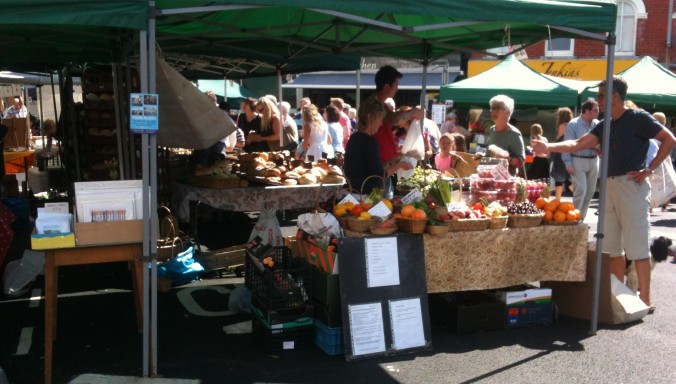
[200,340]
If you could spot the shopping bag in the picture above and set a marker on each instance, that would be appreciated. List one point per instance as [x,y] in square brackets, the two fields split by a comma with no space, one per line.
[20,273]
[319,224]
[414,143]
[626,305]
[268,229]
[663,184]
[182,269]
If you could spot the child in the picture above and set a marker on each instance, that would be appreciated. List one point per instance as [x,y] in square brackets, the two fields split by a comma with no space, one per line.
[444,160]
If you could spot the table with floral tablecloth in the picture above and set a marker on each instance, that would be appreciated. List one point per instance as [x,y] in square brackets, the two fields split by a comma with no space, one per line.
[251,198]
[463,261]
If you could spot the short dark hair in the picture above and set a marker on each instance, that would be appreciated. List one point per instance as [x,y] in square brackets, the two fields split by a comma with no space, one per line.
[619,86]
[386,75]
[332,114]
[588,105]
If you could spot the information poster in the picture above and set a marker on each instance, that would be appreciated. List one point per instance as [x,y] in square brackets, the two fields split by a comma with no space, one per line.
[144,112]
[439,113]
[368,331]
[383,294]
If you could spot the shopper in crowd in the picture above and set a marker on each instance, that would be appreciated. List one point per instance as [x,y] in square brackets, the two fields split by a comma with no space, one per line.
[289,128]
[18,109]
[583,166]
[268,138]
[344,121]
[207,157]
[332,118]
[316,140]
[387,85]
[305,101]
[444,160]
[235,139]
[459,142]
[539,168]
[362,156]
[249,120]
[433,136]
[627,194]
[504,139]
[352,114]
[561,177]
[655,146]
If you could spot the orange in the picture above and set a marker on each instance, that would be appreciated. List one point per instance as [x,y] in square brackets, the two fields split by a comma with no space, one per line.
[551,206]
[407,210]
[559,216]
[566,207]
[578,215]
[541,202]
[571,216]
[388,204]
[549,215]
[419,214]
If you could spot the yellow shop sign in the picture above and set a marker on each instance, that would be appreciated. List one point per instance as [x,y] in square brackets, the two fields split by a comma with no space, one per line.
[592,69]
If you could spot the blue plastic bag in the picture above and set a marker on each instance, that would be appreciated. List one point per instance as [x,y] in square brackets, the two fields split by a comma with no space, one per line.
[182,269]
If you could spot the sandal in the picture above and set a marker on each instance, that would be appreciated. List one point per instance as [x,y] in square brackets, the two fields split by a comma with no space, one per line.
[651,310]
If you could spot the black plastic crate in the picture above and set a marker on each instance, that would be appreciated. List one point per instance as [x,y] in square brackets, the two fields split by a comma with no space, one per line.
[329,314]
[283,318]
[275,340]
[287,285]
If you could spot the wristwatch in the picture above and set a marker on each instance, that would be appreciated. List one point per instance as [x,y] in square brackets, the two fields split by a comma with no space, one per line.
[647,169]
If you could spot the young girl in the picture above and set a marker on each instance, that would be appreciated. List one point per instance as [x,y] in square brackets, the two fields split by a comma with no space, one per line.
[444,160]
[539,169]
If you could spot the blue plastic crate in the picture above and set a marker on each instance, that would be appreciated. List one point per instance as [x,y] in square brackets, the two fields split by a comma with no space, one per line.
[329,340]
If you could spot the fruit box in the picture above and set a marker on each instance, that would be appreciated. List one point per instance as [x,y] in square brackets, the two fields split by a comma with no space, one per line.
[526,306]
[467,312]
[328,339]
[318,256]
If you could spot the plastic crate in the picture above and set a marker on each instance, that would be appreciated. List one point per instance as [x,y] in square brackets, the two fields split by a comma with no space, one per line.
[330,340]
[287,285]
[330,314]
[275,340]
[283,318]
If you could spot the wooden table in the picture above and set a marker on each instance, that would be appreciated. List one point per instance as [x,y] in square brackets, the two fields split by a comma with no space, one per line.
[93,254]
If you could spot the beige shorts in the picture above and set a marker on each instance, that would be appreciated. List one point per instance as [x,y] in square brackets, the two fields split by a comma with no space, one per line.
[627,218]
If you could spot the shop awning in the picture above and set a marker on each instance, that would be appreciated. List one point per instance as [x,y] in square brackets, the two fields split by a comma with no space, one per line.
[348,80]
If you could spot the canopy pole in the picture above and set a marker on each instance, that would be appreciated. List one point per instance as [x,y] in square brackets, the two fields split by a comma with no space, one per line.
[423,92]
[279,84]
[605,145]
[357,97]
[225,88]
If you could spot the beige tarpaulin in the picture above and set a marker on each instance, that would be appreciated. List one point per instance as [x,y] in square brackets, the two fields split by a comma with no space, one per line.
[188,118]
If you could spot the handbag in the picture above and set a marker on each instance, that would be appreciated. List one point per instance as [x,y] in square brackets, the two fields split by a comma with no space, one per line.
[663,184]
[181,269]
[169,239]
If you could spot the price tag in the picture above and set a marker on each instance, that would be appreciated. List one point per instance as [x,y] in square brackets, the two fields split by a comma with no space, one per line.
[414,195]
[500,172]
[380,210]
[349,199]
[457,206]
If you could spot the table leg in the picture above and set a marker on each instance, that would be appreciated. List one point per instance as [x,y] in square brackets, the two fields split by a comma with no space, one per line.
[137,283]
[51,278]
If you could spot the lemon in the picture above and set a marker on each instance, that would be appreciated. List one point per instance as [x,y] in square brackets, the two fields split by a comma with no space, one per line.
[364,216]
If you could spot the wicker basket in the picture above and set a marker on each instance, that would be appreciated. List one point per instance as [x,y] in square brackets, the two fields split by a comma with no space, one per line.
[349,233]
[411,226]
[552,222]
[342,221]
[437,230]
[498,222]
[357,225]
[462,225]
[382,231]
[465,164]
[525,220]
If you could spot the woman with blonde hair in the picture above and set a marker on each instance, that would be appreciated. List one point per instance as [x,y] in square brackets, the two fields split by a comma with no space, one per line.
[563,116]
[316,139]
[268,138]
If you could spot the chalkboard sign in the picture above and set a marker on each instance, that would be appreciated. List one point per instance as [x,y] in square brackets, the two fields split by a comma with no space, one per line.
[384,295]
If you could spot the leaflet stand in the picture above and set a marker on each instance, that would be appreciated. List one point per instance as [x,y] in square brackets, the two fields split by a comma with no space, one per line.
[384,295]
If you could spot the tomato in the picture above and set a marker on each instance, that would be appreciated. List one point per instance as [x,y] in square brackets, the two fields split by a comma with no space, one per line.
[478,206]
[356,210]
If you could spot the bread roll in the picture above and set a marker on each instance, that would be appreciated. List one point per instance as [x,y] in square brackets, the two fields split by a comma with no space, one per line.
[273,172]
[334,179]
[307,178]
[274,180]
[335,170]
[291,175]
[264,155]
[319,172]
[289,182]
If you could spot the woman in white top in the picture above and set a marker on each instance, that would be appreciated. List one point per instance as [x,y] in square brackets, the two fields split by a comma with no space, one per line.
[316,137]
[17,109]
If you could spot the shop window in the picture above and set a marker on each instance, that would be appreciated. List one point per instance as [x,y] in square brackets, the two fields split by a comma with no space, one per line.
[561,46]
[628,12]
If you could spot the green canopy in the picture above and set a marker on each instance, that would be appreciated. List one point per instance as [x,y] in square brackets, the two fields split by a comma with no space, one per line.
[511,77]
[651,86]
[228,88]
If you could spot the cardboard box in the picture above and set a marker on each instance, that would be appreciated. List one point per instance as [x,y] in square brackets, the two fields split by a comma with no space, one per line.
[574,299]
[127,231]
[320,257]
[52,240]
[18,134]
[467,312]
[526,306]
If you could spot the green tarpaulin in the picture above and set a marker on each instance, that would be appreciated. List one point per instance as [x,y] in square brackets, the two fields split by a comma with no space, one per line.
[511,77]
[651,86]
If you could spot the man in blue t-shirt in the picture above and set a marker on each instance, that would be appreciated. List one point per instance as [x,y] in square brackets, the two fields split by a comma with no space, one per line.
[627,218]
